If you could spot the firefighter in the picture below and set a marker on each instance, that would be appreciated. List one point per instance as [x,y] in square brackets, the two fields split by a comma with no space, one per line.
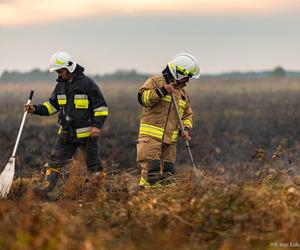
[82,113]
[159,126]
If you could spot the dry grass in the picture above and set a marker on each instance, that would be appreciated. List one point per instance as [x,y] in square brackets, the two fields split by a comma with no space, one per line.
[206,213]
[245,140]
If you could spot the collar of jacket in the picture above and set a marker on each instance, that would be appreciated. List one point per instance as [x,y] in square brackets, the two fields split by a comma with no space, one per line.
[77,74]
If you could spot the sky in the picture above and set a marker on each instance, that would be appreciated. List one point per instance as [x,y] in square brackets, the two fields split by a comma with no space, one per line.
[105,36]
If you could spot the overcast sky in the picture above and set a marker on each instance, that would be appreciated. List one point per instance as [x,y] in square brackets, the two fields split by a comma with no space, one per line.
[104,36]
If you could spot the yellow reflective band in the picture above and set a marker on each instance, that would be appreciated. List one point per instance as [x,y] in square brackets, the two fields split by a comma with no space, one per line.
[167,98]
[57,61]
[101,113]
[147,129]
[50,108]
[181,111]
[83,135]
[175,136]
[143,182]
[81,103]
[187,123]
[83,132]
[152,131]
[62,101]
[152,126]
[146,184]
[175,133]
[182,103]
[50,111]
[146,97]
[101,109]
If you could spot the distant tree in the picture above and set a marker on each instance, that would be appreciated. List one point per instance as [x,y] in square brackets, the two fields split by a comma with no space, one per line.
[279,72]
[35,75]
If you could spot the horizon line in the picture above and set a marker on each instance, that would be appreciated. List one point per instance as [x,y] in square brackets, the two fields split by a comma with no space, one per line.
[234,71]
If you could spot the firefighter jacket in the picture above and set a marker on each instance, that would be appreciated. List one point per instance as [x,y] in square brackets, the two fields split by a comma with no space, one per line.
[80,104]
[159,118]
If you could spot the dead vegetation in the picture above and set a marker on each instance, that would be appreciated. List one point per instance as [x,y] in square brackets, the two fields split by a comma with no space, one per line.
[189,213]
[245,141]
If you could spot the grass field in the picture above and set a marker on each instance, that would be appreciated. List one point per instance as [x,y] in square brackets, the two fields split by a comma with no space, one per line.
[245,139]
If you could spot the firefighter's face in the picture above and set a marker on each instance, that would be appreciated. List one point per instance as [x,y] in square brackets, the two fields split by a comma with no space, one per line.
[64,74]
[182,82]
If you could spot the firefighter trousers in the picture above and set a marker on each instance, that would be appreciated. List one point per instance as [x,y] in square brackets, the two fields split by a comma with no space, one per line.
[63,151]
[156,160]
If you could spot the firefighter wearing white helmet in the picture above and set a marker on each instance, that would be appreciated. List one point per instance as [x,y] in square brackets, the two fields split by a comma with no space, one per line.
[159,129]
[184,65]
[82,111]
[61,60]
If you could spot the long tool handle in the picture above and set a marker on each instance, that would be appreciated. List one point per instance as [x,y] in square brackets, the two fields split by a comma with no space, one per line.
[182,129]
[22,125]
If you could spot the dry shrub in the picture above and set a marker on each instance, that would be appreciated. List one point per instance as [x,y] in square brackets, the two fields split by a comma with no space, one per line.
[189,213]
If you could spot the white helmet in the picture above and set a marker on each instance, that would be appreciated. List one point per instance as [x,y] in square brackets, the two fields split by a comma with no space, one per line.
[184,65]
[61,60]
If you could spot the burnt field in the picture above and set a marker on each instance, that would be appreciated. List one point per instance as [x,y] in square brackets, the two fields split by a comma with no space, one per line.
[232,120]
[245,140]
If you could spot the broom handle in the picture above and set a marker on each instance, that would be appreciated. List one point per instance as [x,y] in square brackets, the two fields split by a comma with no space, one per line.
[22,125]
[182,129]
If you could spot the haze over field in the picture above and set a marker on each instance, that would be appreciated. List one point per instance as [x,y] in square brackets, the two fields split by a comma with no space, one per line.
[224,35]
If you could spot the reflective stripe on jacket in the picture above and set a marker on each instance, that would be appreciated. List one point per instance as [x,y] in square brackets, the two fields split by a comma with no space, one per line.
[80,104]
[159,119]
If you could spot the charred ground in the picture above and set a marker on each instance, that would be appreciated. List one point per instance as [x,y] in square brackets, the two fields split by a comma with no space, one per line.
[245,139]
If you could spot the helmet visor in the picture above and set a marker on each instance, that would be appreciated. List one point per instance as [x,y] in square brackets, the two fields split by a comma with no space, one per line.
[182,71]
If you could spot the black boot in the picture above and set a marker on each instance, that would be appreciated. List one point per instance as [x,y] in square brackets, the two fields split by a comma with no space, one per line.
[168,171]
[154,174]
[51,178]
